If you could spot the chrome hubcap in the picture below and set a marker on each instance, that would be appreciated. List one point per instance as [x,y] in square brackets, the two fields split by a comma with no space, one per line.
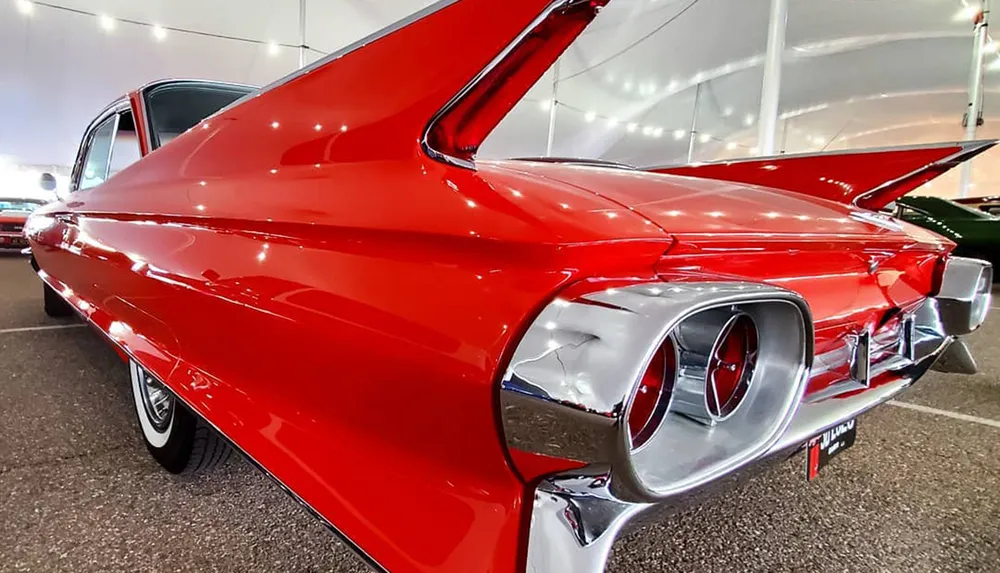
[157,400]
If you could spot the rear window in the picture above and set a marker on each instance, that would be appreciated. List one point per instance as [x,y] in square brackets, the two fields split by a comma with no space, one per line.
[177,107]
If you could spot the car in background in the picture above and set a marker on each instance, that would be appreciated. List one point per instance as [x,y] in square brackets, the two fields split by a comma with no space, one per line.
[989,205]
[977,233]
[13,214]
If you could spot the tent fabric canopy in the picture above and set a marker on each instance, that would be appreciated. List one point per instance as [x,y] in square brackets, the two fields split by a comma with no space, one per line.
[856,73]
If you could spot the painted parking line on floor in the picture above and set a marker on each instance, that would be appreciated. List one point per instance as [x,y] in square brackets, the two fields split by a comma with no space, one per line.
[36,328]
[946,414]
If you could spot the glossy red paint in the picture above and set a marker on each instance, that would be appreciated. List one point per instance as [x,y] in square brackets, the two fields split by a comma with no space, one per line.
[341,305]
[868,178]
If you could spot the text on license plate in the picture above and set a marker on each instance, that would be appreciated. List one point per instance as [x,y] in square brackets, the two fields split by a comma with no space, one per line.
[825,446]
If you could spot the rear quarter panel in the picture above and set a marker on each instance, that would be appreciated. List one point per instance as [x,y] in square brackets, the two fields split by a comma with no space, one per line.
[343,323]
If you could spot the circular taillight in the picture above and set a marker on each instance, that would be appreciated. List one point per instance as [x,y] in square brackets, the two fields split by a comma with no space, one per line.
[653,395]
[730,367]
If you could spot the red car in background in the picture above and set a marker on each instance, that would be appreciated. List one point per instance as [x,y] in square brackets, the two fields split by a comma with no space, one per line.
[469,366]
[13,214]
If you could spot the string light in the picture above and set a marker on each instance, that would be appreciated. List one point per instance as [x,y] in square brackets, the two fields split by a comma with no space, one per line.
[107,23]
[159,33]
[653,131]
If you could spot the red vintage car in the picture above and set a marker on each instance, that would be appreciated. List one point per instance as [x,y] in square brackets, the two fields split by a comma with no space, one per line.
[13,214]
[469,366]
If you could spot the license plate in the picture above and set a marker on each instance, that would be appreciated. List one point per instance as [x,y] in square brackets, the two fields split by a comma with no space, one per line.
[830,443]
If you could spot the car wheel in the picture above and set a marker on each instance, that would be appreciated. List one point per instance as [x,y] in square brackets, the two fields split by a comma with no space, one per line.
[175,436]
[55,305]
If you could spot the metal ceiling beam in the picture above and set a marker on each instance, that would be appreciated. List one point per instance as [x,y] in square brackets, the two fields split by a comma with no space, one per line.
[302,34]
[770,92]
[974,107]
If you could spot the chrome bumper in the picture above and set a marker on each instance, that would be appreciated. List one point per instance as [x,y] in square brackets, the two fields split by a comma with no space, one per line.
[575,519]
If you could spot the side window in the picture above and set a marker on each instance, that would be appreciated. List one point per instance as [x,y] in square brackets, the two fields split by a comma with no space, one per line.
[113,146]
[126,145]
[98,159]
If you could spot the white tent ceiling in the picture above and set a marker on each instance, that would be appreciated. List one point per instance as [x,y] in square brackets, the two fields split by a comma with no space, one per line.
[857,73]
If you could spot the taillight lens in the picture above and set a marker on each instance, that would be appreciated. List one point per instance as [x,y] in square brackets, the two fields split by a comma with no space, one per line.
[653,395]
[731,366]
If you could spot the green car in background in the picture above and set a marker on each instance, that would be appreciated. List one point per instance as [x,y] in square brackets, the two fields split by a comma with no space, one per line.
[976,233]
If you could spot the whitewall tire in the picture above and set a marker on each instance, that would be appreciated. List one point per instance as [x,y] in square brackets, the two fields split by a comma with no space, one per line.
[176,437]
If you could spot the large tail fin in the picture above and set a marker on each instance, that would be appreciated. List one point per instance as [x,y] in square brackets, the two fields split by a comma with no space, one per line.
[869,178]
[438,82]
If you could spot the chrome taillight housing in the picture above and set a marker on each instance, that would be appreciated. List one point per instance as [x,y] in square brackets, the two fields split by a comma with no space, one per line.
[719,355]
[671,384]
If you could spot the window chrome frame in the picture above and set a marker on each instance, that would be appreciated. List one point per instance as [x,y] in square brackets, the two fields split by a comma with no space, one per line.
[115,109]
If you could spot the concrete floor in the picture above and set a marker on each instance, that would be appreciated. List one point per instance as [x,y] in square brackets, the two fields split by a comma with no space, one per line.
[920,491]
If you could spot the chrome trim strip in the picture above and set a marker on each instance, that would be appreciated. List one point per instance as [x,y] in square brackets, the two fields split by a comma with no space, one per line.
[167,81]
[445,158]
[368,559]
[816,416]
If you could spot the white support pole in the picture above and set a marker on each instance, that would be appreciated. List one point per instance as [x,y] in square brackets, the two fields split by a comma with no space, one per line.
[694,123]
[770,92]
[302,34]
[974,107]
[550,142]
